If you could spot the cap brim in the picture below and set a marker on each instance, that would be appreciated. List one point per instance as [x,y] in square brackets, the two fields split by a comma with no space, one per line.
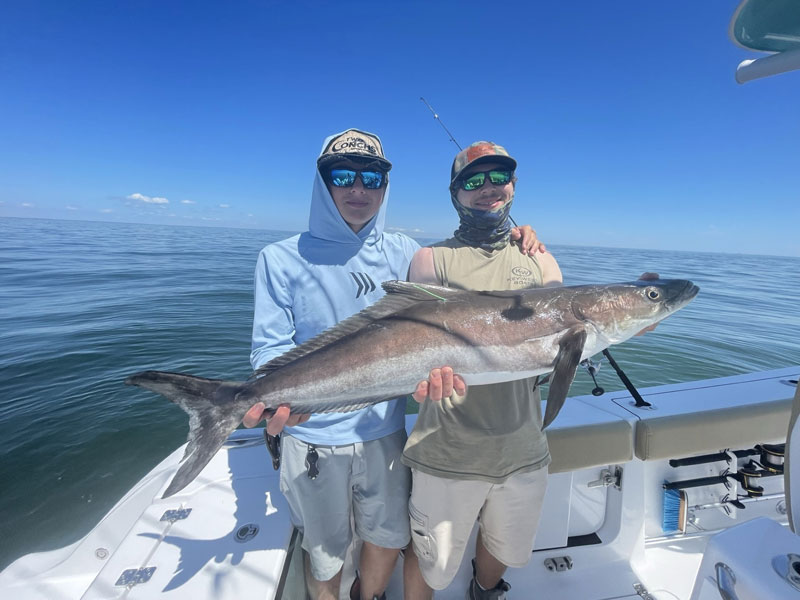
[489,158]
[329,159]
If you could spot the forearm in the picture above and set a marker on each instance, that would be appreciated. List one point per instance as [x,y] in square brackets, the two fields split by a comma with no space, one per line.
[273,320]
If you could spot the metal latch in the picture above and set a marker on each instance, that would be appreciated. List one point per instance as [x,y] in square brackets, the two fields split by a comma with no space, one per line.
[558,563]
[642,592]
[607,478]
[132,577]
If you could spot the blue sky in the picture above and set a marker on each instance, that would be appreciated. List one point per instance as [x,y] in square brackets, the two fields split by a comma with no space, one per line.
[625,118]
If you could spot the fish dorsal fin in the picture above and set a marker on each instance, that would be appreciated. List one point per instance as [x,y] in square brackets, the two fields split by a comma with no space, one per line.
[417,292]
[399,295]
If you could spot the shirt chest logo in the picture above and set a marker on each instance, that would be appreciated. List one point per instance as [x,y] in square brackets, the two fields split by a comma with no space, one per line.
[364,283]
[520,276]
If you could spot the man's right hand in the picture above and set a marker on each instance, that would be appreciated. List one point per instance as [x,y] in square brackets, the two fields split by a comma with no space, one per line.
[275,424]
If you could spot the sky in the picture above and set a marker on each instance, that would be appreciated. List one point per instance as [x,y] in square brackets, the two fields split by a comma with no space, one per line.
[624,117]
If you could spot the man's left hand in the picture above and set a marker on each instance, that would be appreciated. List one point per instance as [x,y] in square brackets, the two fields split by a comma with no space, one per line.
[529,243]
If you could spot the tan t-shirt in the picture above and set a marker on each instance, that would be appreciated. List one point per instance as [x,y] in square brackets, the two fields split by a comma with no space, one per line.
[493,431]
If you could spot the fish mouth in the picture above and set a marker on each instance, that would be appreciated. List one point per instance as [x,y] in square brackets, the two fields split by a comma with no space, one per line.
[683,296]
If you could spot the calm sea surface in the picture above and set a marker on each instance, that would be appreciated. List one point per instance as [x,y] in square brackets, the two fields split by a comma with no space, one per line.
[82,305]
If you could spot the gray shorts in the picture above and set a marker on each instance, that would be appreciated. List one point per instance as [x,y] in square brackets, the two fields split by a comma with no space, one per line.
[365,480]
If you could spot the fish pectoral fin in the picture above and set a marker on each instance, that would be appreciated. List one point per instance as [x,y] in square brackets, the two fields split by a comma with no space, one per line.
[564,367]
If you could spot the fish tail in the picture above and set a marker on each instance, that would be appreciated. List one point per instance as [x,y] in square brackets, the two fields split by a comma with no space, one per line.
[212,416]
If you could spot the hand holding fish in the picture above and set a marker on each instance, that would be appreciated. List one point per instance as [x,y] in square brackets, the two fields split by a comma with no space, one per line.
[528,241]
[440,384]
[281,418]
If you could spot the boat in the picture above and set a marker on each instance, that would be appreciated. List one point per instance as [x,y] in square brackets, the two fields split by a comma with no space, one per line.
[688,492]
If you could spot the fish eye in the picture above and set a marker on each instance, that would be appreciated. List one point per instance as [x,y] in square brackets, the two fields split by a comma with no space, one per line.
[653,293]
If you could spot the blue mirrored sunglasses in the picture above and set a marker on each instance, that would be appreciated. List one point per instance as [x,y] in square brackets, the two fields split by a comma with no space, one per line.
[372,180]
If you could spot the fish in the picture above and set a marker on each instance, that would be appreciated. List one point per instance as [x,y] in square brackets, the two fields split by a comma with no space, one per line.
[385,350]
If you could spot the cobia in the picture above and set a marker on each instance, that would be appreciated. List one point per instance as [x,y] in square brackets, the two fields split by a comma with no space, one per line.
[383,351]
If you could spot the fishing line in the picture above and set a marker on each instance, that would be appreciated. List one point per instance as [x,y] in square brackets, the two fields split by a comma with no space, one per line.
[452,139]
[422,289]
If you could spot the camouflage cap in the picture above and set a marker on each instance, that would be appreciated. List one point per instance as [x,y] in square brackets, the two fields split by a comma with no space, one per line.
[480,152]
[355,145]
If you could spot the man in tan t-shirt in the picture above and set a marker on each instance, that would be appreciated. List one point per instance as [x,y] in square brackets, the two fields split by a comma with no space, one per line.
[469,459]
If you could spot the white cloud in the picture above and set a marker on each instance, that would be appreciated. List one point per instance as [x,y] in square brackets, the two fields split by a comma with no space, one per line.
[224,205]
[405,229]
[106,210]
[27,205]
[148,199]
[68,207]
[188,202]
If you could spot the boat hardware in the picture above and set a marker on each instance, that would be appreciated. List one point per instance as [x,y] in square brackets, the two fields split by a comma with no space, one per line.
[772,457]
[726,582]
[558,563]
[607,478]
[740,503]
[178,514]
[642,592]
[744,476]
[132,577]
[245,533]
[640,402]
[788,567]
[592,368]
[708,458]
[101,553]
[792,382]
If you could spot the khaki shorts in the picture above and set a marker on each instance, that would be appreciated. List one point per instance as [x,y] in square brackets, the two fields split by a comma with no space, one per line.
[443,511]
[365,480]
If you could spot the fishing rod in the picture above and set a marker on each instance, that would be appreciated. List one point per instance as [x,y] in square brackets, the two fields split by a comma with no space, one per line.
[436,117]
[452,139]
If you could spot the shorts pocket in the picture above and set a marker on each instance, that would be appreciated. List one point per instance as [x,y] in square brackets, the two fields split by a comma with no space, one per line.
[420,533]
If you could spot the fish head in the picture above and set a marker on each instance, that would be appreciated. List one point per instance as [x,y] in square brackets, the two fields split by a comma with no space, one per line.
[620,311]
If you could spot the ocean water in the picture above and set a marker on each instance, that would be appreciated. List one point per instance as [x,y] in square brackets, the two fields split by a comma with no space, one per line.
[83,305]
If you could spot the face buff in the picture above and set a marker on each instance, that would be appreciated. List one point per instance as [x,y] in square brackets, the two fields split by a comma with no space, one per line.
[485,229]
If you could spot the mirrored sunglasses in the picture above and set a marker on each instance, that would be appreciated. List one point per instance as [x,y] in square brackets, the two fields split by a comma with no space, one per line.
[372,180]
[477,180]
